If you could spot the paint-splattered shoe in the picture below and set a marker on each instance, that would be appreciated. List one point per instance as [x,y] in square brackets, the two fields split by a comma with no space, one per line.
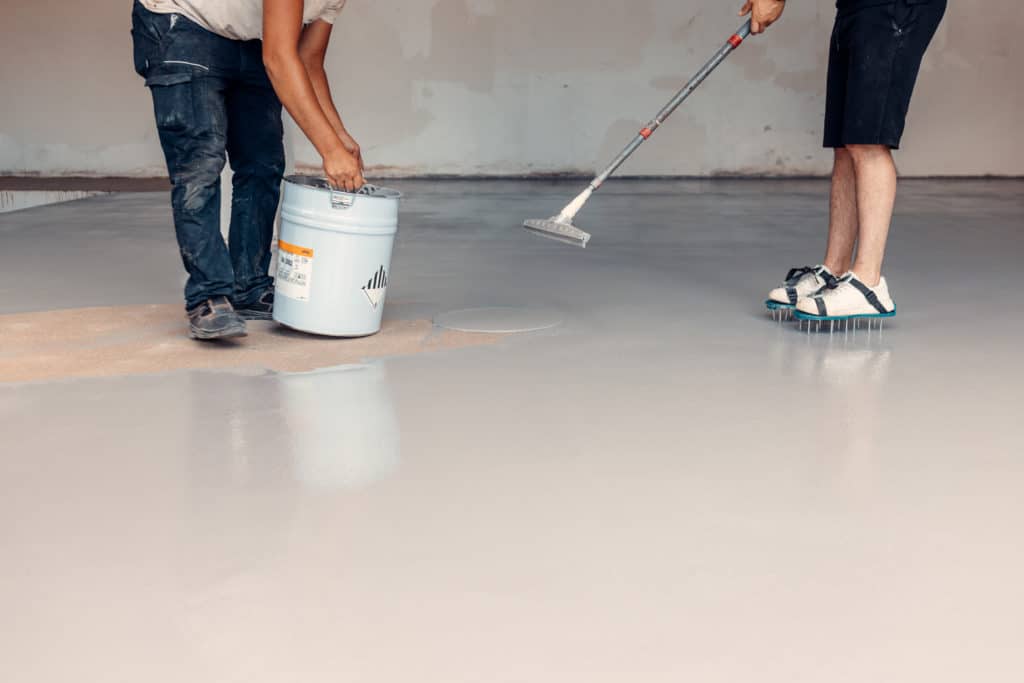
[215,319]
[848,299]
[800,283]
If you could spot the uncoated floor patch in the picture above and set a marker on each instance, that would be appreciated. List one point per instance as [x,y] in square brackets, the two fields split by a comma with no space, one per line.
[132,340]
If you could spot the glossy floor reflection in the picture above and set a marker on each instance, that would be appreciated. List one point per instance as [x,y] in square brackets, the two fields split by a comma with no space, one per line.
[666,486]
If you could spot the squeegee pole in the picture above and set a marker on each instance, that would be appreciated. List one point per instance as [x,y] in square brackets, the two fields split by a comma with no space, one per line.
[680,97]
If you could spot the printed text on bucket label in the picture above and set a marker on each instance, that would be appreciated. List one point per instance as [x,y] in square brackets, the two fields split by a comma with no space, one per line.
[294,271]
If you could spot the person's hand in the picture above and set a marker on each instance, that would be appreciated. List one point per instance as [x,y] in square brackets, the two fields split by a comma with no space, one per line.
[763,13]
[342,170]
[352,146]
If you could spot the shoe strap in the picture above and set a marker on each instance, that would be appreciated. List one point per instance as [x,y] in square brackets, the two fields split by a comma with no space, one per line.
[794,274]
[831,283]
[867,292]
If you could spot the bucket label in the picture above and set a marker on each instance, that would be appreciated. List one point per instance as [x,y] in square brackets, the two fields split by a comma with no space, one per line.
[376,287]
[294,271]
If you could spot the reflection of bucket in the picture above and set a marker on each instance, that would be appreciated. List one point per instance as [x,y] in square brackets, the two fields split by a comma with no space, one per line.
[334,257]
[342,426]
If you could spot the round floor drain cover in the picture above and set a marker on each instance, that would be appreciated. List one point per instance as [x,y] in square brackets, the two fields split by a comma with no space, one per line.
[500,320]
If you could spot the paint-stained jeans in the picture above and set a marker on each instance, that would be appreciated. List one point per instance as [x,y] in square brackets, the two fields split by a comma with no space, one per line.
[213,100]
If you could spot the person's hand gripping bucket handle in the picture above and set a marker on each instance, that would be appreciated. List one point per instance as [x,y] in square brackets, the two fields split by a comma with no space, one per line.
[343,169]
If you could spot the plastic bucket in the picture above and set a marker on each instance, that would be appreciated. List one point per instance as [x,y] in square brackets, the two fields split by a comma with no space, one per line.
[334,257]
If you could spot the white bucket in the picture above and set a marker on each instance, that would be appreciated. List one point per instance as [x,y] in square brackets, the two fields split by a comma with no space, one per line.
[334,257]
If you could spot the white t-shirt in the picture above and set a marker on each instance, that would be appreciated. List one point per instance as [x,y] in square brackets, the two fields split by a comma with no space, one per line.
[239,19]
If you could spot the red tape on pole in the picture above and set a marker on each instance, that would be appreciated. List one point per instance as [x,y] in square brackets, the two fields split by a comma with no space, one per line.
[735,40]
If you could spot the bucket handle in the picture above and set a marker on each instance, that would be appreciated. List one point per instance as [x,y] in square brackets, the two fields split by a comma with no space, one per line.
[341,200]
[345,200]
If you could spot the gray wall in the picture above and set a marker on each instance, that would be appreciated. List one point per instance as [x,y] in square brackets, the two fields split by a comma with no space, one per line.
[530,86]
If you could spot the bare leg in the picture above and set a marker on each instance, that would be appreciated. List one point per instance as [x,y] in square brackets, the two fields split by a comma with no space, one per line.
[876,196]
[842,227]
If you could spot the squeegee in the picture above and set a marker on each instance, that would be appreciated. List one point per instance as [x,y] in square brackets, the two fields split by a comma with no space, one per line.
[561,227]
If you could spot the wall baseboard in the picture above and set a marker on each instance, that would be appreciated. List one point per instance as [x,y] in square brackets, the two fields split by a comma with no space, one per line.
[77,183]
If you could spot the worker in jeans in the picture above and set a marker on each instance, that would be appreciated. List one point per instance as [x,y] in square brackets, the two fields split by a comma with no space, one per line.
[875,54]
[219,73]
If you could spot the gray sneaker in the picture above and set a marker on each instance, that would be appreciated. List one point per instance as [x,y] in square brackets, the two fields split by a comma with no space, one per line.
[215,319]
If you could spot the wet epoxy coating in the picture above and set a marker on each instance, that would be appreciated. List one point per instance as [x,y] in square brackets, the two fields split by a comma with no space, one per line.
[500,320]
[668,486]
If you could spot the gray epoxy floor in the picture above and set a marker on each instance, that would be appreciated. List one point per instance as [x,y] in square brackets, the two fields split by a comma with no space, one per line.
[667,487]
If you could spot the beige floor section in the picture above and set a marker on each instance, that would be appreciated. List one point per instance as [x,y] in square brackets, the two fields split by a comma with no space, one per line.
[131,340]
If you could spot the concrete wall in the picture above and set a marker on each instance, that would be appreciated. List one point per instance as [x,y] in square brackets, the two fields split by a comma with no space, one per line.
[530,86]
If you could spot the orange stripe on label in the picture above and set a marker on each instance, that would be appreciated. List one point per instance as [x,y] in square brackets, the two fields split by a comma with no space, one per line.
[292,249]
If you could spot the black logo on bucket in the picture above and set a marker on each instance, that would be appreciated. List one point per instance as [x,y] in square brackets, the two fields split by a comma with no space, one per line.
[376,287]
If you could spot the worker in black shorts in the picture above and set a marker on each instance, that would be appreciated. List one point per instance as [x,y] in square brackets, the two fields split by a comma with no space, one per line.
[874,58]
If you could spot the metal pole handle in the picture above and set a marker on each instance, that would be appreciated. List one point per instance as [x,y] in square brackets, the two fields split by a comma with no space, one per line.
[647,131]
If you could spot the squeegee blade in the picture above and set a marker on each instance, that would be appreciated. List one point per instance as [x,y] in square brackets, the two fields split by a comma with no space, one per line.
[561,231]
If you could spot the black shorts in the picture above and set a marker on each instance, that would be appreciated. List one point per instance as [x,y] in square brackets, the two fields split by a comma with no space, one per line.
[874,59]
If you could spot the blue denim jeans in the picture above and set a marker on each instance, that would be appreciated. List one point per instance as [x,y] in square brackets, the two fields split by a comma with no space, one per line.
[214,102]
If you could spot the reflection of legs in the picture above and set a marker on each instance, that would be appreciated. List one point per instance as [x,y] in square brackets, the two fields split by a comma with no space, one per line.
[876,195]
[256,151]
[191,121]
[842,228]
[240,471]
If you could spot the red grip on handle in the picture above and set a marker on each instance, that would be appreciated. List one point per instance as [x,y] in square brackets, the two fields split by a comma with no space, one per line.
[735,40]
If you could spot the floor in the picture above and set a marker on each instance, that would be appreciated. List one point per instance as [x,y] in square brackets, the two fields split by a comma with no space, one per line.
[668,486]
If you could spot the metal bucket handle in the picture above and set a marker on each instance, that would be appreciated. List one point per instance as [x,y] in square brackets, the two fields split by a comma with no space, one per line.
[345,200]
